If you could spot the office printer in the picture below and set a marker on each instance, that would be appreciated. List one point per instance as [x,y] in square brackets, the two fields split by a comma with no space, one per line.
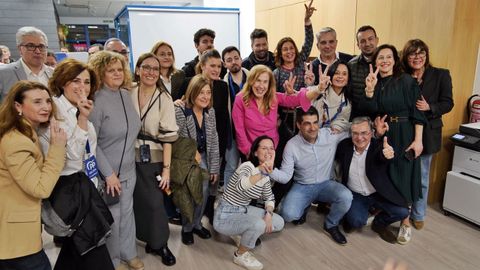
[462,188]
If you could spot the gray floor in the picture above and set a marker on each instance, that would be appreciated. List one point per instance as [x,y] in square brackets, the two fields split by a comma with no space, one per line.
[444,243]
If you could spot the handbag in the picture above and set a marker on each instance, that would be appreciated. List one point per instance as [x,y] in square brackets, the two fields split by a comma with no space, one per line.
[108,198]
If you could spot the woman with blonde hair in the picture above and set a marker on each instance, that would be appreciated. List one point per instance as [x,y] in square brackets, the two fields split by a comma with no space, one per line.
[171,78]
[26,176]
[117,125]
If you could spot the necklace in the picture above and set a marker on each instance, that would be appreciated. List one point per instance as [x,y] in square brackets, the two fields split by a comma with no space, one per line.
[383,85]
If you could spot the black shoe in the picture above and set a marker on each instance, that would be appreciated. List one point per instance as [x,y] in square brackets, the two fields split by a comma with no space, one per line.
[167,257]
[302,219]
[202,233]
[336,235]
[384,233]
[187,238]
[258,242]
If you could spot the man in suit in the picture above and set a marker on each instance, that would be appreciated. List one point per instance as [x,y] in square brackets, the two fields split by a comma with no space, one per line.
[364,161]
[327,45]
[32,45]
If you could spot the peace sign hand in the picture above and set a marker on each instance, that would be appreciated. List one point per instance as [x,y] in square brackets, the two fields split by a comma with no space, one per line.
[288,85]
[371,81]
[309,77]
[324,79]
[309,12]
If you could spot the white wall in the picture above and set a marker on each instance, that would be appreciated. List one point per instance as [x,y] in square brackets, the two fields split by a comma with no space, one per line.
[247,20]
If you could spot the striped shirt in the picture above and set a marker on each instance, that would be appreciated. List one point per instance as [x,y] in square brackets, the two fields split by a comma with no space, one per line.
[240,190]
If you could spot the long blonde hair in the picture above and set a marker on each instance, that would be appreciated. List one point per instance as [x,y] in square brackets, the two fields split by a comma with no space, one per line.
[9,116]
[269,99]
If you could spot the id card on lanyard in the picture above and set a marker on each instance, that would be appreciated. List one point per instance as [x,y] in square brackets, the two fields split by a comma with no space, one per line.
[90,165]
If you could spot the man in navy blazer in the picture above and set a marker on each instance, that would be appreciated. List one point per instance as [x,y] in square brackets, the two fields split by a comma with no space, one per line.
[32,43]
[364,161]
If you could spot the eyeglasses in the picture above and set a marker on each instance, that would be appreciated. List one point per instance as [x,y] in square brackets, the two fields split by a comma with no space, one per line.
[417,54]
[148,68]
[32,47]
[122,52]
[362,134]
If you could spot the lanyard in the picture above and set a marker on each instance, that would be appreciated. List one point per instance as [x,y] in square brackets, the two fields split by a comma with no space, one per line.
[231,83]
[328,121]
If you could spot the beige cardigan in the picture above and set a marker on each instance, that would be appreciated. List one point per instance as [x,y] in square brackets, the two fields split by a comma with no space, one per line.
[159,123]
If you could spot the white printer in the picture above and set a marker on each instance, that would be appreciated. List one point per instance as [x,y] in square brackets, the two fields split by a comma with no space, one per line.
[462,188]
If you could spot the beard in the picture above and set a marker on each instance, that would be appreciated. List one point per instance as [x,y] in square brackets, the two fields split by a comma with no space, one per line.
[261,55]
[235,68]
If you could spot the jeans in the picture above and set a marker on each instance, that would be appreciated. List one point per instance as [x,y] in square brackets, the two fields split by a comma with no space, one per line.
[301,196]
[246,221]
[419,207]
[232,158]
[358,214]
[36,261]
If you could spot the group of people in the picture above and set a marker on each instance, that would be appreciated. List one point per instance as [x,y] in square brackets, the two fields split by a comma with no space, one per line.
[367,129]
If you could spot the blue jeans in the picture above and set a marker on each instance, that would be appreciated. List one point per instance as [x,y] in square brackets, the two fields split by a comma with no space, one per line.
[36,261]
[232,158]
[358,214]
[301,196]
[420,207]
[246,221]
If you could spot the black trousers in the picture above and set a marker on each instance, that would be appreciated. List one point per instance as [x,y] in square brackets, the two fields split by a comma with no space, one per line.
[96,259]
[36,261]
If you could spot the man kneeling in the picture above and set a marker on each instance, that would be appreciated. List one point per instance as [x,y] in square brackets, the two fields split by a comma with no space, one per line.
[364,161]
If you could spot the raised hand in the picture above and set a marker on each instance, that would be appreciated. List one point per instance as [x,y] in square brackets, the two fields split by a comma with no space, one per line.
[388,151]
[323,79]
[309,77]
[422,105]
[309,12]
[57,135]
[288,85]
[381,126]
[371,81]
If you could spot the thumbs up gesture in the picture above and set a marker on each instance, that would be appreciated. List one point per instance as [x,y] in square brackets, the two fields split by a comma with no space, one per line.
[388,151]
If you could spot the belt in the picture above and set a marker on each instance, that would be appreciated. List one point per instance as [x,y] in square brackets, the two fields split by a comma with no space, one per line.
[397,119]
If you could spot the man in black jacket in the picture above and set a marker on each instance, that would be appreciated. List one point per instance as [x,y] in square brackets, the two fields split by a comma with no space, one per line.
[364,161]
[260,54]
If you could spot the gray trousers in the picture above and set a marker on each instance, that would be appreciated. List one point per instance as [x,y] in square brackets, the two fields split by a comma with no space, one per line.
[246,221]
[121,244]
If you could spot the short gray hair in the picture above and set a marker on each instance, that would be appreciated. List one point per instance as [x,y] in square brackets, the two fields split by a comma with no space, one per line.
[325,30]
[361,119]
[29,31]
[112,40]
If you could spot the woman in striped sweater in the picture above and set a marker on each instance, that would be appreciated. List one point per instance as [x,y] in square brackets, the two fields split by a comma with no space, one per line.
[234,214]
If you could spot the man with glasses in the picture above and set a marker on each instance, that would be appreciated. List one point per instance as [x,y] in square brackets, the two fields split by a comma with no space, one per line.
[116,45]
[364,162]
[327,45]
[32,43]
[309,157]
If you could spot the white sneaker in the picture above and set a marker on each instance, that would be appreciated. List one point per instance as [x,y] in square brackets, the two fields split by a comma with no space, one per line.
[248,261]
[404,234]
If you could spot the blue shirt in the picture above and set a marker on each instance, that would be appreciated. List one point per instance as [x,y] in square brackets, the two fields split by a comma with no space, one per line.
[312,163]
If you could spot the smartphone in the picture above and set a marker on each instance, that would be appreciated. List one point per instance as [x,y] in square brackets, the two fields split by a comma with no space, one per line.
[410,155]
[145,153]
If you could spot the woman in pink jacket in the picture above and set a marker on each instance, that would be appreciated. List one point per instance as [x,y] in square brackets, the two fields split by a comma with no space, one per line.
[255,110]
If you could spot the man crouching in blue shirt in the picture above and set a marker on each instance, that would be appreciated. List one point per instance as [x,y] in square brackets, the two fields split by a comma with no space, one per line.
[309,157]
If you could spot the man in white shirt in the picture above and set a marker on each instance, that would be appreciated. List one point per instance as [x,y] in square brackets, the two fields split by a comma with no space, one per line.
[32,43]
[364,162]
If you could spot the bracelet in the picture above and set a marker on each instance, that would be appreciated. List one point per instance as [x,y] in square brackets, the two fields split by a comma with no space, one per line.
[264,174]
[166,166]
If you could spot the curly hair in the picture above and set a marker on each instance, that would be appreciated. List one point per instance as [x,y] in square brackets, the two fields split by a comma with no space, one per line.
[101,60]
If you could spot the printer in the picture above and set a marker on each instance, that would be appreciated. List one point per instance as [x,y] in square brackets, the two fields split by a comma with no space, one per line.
[462,187]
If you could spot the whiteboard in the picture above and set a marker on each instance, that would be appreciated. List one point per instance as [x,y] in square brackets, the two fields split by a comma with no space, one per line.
[176,26]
